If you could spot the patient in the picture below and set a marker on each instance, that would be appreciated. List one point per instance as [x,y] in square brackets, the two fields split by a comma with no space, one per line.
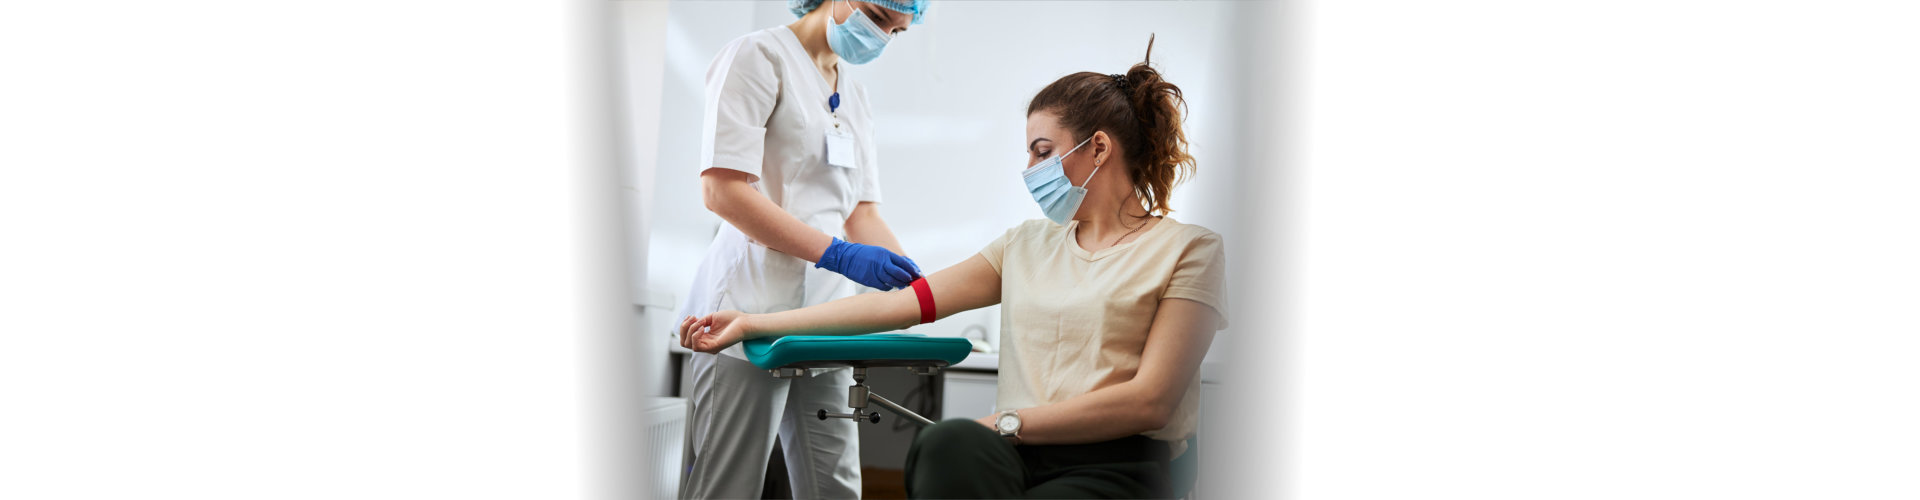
[1108,307]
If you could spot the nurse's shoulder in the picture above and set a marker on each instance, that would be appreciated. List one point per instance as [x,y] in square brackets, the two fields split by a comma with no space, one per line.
[756,55]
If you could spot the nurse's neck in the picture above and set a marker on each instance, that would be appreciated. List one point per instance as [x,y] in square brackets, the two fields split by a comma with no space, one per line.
[811,29]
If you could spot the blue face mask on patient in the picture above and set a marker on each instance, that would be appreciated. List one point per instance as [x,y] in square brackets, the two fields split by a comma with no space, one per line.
[858,40]
[1057,196]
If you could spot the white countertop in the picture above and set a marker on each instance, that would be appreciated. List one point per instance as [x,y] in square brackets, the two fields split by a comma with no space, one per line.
[979,361]
[1210,369]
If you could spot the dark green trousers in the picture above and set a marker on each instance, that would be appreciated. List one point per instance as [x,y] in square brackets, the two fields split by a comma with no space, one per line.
[963,459]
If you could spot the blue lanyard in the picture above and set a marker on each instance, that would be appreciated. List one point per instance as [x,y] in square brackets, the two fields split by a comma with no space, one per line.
[833,103]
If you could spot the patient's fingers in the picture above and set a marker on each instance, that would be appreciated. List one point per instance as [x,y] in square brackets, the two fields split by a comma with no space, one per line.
[710,340]
[697,333]
[703,329]
[700,344]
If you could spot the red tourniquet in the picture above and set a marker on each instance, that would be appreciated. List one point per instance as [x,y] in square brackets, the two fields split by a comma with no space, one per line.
[926,300]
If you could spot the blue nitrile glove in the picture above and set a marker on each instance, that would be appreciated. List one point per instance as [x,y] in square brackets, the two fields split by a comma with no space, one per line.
[869,265]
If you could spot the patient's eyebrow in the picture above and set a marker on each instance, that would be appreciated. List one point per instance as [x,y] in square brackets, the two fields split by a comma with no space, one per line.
[1036,142]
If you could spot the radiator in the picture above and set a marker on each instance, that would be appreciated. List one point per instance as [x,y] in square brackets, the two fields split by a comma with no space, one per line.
[662,442]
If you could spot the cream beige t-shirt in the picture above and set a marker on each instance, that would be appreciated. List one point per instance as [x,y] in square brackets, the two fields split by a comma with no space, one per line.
[1072,321]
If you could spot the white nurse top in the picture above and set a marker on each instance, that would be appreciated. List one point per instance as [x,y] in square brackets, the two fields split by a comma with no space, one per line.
[767,115]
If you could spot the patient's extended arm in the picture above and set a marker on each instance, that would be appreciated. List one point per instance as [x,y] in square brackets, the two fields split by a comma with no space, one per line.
[971,284]
[1181,332]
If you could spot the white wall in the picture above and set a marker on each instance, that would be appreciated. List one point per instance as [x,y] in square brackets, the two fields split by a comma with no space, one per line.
[640,51]
[950,99]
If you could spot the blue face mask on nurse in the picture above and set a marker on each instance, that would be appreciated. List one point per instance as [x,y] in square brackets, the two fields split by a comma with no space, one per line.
[859,31]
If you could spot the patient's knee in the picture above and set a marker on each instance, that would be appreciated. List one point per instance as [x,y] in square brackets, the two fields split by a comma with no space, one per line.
[962,459]
[951,441]
[953,432]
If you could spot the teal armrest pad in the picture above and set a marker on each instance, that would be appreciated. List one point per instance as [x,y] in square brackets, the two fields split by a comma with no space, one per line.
[782,351]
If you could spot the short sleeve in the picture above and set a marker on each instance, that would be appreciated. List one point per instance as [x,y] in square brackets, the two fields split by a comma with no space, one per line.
[996,252]
[743,85]
[870,177]
[1201,274]
[869,189]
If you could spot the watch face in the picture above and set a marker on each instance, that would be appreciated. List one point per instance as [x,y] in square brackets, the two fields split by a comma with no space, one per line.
[1007,423]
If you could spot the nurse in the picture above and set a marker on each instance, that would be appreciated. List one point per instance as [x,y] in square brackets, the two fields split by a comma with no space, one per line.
[788,162]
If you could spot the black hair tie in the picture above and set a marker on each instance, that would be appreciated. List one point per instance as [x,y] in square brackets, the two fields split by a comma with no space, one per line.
[1121,81]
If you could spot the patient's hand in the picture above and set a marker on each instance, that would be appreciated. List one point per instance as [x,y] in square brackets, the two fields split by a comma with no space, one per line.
[714,332]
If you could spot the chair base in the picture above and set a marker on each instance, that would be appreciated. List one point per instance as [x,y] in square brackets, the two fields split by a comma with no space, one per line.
[859,395]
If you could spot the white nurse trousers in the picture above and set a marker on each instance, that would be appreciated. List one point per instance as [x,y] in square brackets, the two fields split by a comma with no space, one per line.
[735,410]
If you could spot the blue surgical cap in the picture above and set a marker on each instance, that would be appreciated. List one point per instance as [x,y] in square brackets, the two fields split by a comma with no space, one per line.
[916,8]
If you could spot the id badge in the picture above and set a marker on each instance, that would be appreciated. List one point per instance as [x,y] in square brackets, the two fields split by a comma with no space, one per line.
[839,149]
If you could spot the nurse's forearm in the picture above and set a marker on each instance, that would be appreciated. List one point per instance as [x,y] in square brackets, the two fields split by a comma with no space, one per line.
[866,227]
[730,194]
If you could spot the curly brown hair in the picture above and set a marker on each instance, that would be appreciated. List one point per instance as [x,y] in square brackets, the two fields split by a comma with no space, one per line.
[1141,110]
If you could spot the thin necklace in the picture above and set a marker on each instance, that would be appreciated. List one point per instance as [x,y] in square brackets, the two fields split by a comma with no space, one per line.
[1116,241]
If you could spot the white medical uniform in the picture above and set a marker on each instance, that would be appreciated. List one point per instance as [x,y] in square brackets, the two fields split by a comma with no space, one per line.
[767,115]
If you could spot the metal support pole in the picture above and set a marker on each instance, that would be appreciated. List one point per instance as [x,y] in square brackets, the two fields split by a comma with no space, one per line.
[897,409]
[859,395]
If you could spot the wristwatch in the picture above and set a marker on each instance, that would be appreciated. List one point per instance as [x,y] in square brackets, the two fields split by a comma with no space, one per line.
[1008,425]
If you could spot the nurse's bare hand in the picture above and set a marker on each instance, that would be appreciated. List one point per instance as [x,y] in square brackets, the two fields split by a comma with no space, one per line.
[715,332]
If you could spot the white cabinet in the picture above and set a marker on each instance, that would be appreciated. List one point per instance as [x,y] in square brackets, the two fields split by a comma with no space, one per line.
[968,394]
